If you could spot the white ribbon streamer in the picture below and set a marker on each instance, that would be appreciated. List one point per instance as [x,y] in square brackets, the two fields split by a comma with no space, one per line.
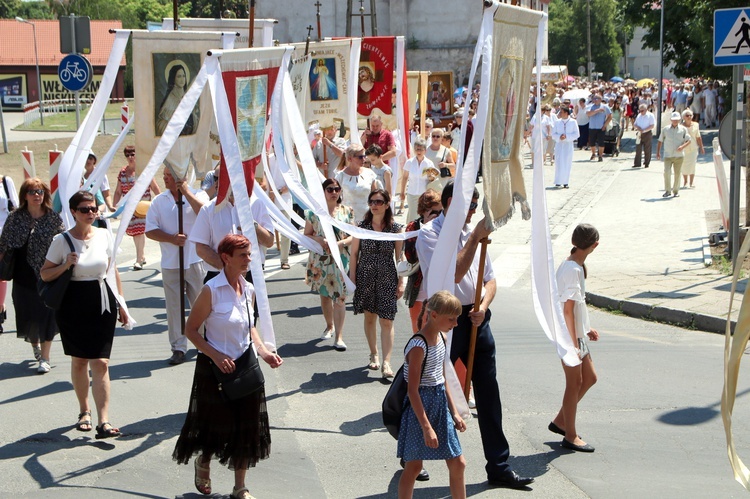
[94,182]
[355,51]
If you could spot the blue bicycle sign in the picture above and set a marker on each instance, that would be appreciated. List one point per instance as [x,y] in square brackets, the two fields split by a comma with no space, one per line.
[74,72]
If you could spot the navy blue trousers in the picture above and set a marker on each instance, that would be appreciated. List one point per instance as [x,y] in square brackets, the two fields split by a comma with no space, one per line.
[486,391]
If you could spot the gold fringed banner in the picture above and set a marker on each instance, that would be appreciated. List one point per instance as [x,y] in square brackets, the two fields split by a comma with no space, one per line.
[514,38]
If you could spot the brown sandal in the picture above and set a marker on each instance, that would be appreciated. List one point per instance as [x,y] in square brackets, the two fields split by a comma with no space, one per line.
[203,485]
[84,424]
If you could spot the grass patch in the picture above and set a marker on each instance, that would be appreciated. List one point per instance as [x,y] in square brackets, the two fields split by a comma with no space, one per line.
[66,121]
[724,265]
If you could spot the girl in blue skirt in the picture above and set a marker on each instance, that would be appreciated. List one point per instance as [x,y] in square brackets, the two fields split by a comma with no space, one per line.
[429,422]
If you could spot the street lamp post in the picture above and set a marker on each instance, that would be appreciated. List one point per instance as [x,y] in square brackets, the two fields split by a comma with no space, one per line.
[661,69]
[38,75]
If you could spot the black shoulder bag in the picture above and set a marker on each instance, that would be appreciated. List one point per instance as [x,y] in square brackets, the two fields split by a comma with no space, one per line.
[396,400]
[246,379]
[445,172]
[52,292]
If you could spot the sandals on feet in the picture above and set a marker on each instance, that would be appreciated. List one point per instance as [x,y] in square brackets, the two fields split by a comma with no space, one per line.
[285,266]
[203,485]
[242,493]
[387,371]
[102,432]
[84,421]
[374,364]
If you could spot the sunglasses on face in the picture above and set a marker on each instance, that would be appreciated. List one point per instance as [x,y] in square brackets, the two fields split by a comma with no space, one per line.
[361,156]
[86,209]
[376,202]
[330,190]
[473,206]
[131,155]
[39,192]
[437,137]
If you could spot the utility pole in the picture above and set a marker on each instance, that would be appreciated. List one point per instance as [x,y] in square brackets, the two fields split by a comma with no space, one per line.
[661,70]
[588,36]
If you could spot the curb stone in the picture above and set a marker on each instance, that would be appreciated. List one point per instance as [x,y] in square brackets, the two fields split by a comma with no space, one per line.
[682,318]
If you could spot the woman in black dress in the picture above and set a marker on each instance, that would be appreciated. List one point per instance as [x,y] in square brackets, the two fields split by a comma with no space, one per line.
[373,270]
[89,310]
[28,232]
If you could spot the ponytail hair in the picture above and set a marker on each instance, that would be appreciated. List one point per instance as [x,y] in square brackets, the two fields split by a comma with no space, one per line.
[442,303]
[584,236]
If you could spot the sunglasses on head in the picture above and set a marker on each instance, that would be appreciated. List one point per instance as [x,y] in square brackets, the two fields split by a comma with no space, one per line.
[376,202]
[130,155]
[473,206]
[36,191]
[86,209]
[329,190]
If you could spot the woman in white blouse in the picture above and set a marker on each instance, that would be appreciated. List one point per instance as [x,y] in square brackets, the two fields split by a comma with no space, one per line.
[8,203]
[356,181]
[89,311]
[572,293]
[235,432]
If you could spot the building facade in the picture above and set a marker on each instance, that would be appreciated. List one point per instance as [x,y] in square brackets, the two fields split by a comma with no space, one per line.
[641,62]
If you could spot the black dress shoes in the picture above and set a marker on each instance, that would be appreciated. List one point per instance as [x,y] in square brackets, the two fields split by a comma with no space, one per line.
[577,448]
[423,475]
[556,429]
[511,481]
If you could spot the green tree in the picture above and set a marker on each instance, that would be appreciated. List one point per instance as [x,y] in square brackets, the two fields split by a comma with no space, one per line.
[688,32]
[9,8]
[568,37]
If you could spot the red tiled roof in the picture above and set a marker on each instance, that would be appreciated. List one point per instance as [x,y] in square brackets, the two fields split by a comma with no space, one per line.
[17,40]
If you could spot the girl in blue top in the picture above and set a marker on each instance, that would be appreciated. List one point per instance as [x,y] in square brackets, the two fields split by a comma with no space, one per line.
[430,420]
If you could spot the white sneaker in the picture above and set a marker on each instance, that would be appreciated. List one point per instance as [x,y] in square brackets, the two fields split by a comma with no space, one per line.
[37,352]
[327,334]
[43,367]
[339,346]
[472,403]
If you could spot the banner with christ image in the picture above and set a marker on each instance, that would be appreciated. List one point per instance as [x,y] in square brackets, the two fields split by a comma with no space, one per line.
[165,64]
[375,75]
[327,98]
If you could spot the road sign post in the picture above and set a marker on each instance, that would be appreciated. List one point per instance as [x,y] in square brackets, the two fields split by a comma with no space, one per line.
[75,74]
[732,48]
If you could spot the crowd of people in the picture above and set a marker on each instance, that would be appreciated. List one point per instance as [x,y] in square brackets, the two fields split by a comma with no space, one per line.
[358,189]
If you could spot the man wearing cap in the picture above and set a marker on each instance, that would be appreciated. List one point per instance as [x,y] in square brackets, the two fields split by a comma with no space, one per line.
[675,138]
[599,115]
[329,151]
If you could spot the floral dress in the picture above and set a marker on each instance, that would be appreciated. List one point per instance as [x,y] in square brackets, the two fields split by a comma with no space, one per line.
[323,276]
[377,279]
[137,226]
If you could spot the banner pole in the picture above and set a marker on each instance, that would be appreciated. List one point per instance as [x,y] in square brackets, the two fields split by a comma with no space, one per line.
[477,302]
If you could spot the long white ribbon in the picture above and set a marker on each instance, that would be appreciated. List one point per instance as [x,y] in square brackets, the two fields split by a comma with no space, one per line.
[544,291]
[74,159]
[354,53]
[231,151]
[94,182]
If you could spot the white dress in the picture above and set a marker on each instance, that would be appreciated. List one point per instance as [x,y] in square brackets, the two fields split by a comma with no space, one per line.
[564,148]
[571,285]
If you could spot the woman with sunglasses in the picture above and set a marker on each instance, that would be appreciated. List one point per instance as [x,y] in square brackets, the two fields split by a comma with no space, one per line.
[137,226]
[87,332]
[28,232]
[323,276]
[373,270]
[356,181]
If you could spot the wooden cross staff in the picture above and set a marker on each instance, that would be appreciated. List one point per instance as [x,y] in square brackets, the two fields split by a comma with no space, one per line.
[477,303]
[307,43]
[318,5]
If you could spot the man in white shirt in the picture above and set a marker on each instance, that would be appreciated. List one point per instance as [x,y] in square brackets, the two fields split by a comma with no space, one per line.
[644,125]
[162,225]
[484,377]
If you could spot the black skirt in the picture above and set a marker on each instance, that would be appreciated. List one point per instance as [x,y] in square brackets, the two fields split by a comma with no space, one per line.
[235,432]
[85,331]
[34,321]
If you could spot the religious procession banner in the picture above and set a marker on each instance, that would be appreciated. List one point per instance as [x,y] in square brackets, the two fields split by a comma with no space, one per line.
[165,64]
[299,75]
[375,76]
[249,77]
[327,102]
[514,38]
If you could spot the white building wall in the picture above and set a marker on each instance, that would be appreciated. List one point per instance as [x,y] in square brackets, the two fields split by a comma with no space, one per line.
[643,62]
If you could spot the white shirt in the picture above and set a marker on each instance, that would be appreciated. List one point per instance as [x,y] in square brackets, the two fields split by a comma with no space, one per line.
[163,215]
[417,183]
[228,324]
[645,120]
[93,258]
[211,225]
[571,286]
[426,241]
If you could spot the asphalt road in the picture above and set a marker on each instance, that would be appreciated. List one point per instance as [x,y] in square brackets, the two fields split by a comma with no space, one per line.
[653,417]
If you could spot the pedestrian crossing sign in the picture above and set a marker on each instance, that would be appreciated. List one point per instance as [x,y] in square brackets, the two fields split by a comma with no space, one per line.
[732,36]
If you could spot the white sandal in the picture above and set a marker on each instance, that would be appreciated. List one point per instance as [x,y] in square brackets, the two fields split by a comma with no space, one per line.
[242,493]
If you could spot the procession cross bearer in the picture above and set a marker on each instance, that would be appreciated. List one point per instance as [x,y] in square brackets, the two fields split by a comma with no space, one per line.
[484,378]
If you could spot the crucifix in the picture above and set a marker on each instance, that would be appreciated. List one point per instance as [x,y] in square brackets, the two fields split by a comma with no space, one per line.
[318,5]
[307,43]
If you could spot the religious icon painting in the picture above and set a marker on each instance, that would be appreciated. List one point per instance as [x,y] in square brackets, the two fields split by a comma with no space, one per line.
[323,79]
[252,111]
[173,74]
[375,75]
[505,112]
[440,95]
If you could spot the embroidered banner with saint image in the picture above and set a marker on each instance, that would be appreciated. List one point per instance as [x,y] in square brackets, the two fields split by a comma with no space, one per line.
[165,63]
[375,75]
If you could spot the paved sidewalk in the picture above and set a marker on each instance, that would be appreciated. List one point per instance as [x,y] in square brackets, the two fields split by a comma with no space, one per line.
[650,262]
